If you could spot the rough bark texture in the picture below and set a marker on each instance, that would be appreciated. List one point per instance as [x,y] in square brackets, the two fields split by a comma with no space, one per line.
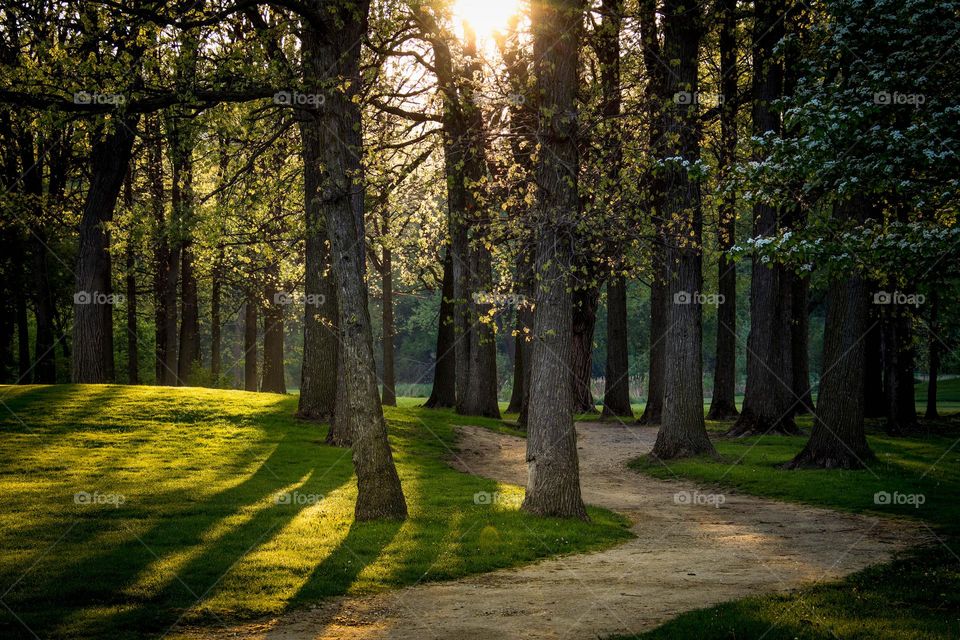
[656,74]
[553,484]
[682,429]
[273,371]
[838,439]
[444,392]
[92,317]
[250,313]
[898,361]
[331,60]
[616,396]
[768,395]
[389,396]
[723,405]
[585,302]
[318,376]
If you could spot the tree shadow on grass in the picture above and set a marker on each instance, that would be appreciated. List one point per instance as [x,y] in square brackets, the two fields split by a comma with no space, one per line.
[96,594]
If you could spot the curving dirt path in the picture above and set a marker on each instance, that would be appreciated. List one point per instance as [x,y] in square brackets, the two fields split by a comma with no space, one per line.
[685,556]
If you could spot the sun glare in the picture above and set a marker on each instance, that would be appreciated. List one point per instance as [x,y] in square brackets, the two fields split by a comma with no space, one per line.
[486,16]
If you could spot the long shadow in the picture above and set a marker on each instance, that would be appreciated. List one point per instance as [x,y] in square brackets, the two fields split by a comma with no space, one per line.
[103,578]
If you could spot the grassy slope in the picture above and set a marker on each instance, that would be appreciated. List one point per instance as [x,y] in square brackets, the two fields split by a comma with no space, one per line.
[915,597]
[200,533]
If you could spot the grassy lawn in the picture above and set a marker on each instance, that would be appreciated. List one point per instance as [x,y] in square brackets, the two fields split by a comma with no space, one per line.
[130,508]
[917,596]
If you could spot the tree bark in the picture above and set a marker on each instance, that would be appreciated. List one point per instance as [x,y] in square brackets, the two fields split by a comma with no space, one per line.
[898,356]
[273,371]
[444,393]
[332,60]
[838,439]
[768,396]
[553,484]
[616,397]
[250,313]
[585,302]
[723,403]
[133,342]
[682,430]
[800,345]
[216,322]
[92,315]
[161,251]
[389,396]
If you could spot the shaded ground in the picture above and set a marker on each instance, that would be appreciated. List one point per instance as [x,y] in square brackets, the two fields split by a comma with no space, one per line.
[693,548]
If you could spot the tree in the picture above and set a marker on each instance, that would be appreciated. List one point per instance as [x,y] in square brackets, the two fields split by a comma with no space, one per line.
[682,431]
[553,487]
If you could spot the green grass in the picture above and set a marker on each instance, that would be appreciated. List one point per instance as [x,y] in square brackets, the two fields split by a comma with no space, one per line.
[199,536]
[917,596]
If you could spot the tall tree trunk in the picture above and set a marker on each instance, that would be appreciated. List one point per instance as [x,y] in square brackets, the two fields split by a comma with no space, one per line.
[898,356]
[24,365]
[933,351]
[161,252]
[250,313]
[682,431]
[838,439]
[216,321]
[189,357]
[133,342]
[585,302]
[723,404]
[318,378]
[92,316]
[656,79]
[389,379]
[553,480]
[768,396]
[45,365]
[444,393]
[800,345]
[616,397]
[875,399]
[273,370]
[331,59]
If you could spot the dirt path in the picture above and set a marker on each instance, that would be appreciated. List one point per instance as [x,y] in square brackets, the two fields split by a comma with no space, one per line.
[686,555]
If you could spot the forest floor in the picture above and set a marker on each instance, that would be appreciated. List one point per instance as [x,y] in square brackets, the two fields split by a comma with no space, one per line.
[694,547]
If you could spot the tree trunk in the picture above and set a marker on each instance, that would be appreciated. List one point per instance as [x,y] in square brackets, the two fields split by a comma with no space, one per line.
[553,481]
[133,343]
[273,371]
[250,381]
[653,410]
[768,396]
[389,397]
[24,365]
[585,302]
[444,393]
[800,345]
[682,431]
[161,252]
[875,400]
[723,404]
[45,365]
[898,356]
[838,439]
[92,315]
[616,397]
[331,59]
[318,378]
[933,350]
[216,322]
